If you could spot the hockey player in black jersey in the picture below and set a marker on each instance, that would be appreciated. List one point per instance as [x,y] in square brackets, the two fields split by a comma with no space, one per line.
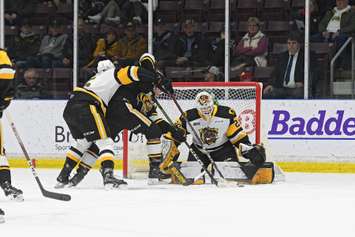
[7,74]
[85,115]
[132,108]
[219,130]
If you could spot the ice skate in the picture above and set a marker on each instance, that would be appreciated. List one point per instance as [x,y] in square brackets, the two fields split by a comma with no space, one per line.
[78,177]
[62,181]
[11,192]
[155,176]
[110,181]
[2,216]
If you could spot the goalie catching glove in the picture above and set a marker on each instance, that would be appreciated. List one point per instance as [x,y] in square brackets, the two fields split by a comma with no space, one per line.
[255,153]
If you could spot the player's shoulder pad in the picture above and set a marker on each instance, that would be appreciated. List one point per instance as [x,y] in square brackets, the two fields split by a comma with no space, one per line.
[225,112]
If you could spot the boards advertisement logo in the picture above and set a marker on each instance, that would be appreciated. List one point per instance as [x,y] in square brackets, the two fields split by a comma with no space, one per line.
[247,120]
[325,125]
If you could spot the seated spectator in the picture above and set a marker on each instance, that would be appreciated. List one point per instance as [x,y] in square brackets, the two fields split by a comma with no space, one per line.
[131,46]
[213,74]
[86,46]
[218,49]
[30,88]
[192,48]
[106,48]
[17,10]
[299,18]
[289,74]
[164,42]
[252,48]
[337,24]
[51,49]
[25,44]
[114,12]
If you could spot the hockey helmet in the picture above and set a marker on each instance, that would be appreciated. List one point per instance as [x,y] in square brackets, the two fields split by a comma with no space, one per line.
[204,103]
[147,61]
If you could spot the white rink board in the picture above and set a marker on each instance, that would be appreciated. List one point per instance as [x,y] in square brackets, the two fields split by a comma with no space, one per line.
[328,134]
[37,121]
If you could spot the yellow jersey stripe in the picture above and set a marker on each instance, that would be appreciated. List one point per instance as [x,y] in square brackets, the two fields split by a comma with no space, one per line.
[122,76]
[232,129]
[99,123]
[4,168]
[4,58]
[7,76]
[138,114]
[240,136]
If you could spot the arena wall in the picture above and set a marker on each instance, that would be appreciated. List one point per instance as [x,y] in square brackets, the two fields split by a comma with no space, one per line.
[300,135]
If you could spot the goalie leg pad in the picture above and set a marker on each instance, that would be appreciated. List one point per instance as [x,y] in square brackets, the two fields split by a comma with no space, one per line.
[262,175]
[170,154]
[177,176]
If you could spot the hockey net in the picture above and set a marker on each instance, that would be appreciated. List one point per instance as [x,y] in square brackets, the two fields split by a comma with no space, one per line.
[243,97]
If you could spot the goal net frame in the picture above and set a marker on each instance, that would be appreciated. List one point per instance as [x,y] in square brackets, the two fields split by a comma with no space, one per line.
[199,86]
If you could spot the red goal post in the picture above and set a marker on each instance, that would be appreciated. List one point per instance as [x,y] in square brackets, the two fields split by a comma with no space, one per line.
[243,97]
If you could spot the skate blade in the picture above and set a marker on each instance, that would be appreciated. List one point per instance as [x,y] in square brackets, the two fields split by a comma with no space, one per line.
[109,187]
[60,185]
[158,182]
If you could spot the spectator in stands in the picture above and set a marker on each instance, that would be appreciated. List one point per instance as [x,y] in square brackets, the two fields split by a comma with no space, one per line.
[17,10]
[298,16]
[164,42]
[252,48]
[86,46]
[30,88]
[218,49]
[213,74]
[25,44]
[114,12]
[337,24]
[288,78]
[51,49]
[106,48]
[131,46]
[192,48]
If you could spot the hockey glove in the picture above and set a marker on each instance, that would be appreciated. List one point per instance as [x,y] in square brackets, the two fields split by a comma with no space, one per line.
[178,134]
[255,153]
[164,84]
[4,104]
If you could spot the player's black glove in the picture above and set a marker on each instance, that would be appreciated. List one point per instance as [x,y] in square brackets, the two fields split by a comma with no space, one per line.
[164,84]
[4,104]
[178,134]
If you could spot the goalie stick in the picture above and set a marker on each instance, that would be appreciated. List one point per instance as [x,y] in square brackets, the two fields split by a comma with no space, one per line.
[196,135]
[45,193]
[205,170]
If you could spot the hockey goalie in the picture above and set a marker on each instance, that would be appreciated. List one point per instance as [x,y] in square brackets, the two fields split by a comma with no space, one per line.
[222,138]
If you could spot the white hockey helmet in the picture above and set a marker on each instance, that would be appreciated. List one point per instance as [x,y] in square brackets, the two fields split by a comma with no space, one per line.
[204,103]
[147,61]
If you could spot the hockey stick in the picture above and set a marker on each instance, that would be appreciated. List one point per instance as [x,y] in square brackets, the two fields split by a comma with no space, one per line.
[195,135]
[46,193]
[205,170]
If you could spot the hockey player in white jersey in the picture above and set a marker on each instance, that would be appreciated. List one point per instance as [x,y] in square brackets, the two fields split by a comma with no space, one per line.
[85,115]
[219,130]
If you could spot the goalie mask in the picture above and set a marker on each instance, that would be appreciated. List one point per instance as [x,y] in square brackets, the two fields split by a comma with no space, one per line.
[204,103]
[147,61]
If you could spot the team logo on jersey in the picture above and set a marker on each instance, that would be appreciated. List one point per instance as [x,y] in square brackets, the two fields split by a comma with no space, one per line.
[145,102]
[208,135]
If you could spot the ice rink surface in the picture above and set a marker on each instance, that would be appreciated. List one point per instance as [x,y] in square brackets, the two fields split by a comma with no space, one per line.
[306,205]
